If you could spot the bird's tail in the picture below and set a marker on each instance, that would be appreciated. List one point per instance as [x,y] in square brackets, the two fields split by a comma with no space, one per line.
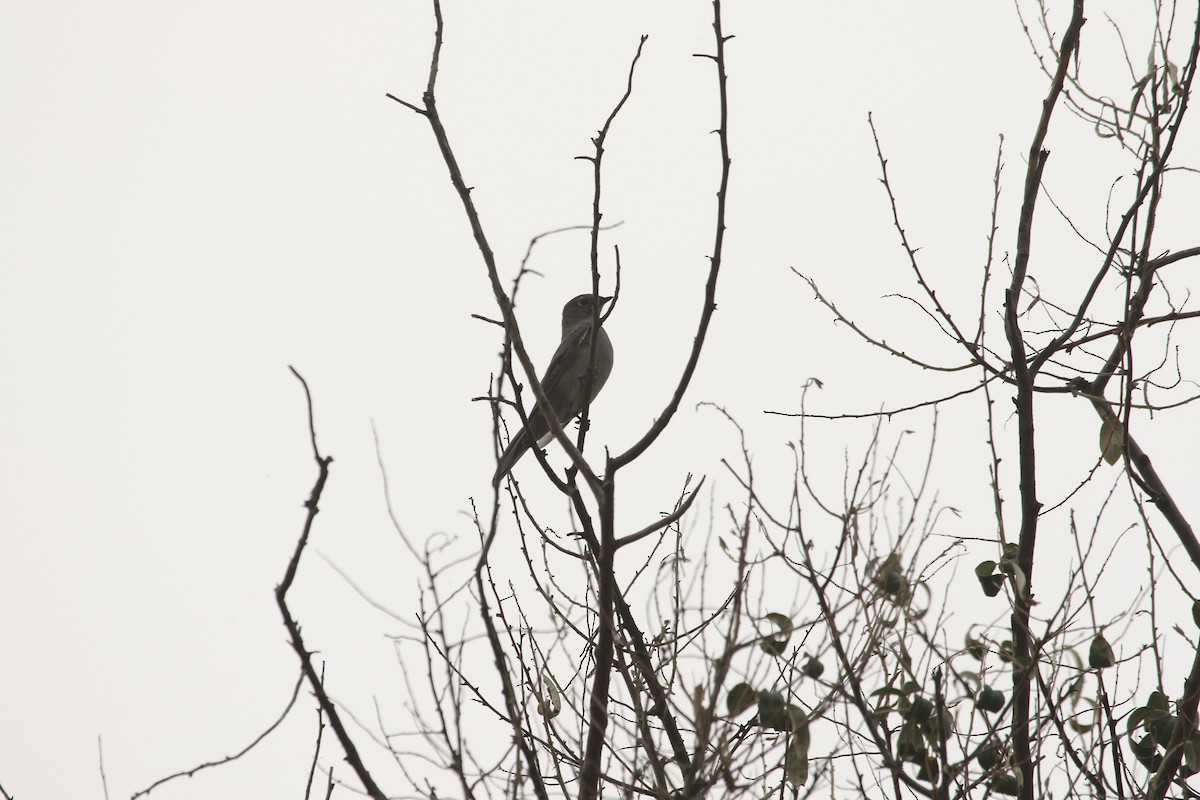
[512,454]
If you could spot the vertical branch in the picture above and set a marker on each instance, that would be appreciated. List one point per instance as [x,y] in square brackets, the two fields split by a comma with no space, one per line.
[603,654]
[594,255]
[293,628]
[1024,376]
[991,246]
[598,142]
[589,775]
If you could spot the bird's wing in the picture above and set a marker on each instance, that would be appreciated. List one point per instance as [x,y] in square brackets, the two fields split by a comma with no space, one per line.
[569,363]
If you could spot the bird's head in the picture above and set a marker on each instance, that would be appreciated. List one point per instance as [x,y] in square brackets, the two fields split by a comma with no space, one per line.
[579,309]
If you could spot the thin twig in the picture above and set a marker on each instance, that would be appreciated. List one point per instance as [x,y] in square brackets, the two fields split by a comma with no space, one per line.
[669,519]
[312,769]
[103,777]
[189,773]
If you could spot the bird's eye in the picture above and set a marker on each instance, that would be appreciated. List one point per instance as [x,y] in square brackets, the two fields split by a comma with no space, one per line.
[584,302]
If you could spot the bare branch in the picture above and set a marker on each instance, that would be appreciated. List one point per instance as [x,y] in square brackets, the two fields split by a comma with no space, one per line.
[669,519]
[293,628]
[710,286]
[1024,374]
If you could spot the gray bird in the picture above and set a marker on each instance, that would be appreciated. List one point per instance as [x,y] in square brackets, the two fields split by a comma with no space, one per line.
[564,380]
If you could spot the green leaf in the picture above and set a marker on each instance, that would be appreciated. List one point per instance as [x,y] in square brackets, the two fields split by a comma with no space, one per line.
[1009,563]
[773,711]
[1146,716]
[1100,654]
[990,700]
[1006,784]
[991,582]
[795,762]
[1191,757]
[551,705]
[1112,440]
[888,691]
[813,668]
[893,582]
[1079,721]
[922,708]
[976,648]
[910,744]
[1162,728]
[740,698]
[944,725]
[989,755]
[912,611]
[776,646]
[1146,753]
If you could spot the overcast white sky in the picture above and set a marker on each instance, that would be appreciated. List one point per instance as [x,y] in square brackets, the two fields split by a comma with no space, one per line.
[194,196]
